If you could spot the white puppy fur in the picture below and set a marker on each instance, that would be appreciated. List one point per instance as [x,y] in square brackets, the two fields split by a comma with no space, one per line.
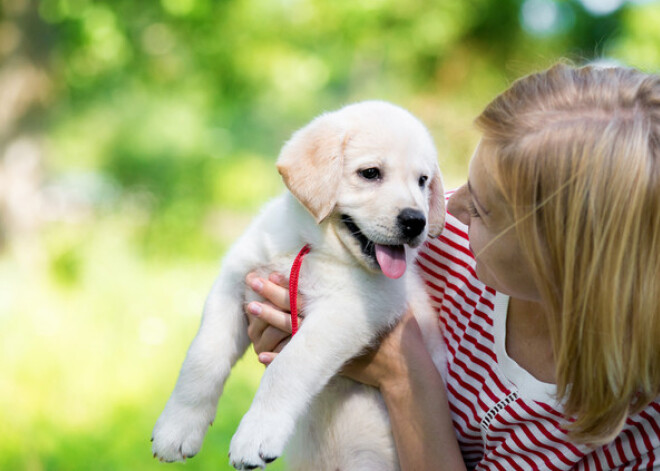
[364,182]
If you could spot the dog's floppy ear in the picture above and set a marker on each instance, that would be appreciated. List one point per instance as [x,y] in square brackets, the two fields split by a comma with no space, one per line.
[311,164]
[436,206]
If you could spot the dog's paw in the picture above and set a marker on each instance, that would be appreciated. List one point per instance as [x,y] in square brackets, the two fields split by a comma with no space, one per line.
[259,440]
[179,432]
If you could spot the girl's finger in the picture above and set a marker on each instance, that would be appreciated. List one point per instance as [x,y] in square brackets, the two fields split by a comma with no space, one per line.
[274,289]
[256,326]
[273,340]
[267,358]
[269,314]
[279,279]
[272,292]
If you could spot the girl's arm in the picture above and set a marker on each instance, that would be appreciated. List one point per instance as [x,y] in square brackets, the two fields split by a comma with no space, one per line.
[415,396]
[400,367]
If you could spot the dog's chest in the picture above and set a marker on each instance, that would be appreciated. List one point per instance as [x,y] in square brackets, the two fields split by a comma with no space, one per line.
[371,296]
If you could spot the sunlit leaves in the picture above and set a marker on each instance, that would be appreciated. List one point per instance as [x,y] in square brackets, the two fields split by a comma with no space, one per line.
[641,46]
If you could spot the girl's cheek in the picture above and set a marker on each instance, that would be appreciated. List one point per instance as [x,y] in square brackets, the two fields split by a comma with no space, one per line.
[477,240]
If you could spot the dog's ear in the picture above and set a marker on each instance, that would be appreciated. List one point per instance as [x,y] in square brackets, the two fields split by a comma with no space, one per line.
[436,206]
[311,164]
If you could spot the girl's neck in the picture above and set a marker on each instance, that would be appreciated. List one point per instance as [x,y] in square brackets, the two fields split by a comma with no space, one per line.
[528,340]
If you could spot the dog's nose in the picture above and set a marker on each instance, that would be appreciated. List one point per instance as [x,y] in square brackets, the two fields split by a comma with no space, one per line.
[411,222]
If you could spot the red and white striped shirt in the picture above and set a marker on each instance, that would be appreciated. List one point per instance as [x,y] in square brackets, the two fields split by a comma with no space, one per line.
[505,419]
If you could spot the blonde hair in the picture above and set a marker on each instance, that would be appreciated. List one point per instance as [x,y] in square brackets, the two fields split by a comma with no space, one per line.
[577,158]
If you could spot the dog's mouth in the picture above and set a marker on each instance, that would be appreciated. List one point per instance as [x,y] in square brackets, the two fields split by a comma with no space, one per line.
[391,259]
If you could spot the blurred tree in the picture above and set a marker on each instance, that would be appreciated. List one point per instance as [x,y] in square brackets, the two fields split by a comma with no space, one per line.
[25,89]
[168,98]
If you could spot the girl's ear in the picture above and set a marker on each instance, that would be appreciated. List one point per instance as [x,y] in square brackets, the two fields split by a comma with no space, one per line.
[436,206]
[311,164]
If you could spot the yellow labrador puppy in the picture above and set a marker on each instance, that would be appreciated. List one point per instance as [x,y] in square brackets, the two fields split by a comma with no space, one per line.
[365,192]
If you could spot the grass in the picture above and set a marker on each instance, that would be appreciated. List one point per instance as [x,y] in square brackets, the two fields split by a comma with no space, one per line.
[91,340]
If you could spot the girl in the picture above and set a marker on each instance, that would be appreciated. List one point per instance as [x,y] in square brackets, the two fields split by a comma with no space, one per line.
[547,283]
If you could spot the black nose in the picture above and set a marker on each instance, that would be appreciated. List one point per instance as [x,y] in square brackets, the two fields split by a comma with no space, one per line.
[411,222]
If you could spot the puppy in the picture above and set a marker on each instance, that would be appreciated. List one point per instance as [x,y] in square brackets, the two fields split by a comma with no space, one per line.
[364,192]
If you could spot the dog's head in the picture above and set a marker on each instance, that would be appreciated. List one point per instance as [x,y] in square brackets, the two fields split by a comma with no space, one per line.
[370,169]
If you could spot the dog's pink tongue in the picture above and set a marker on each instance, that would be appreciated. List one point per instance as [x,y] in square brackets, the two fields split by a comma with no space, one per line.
[392,260]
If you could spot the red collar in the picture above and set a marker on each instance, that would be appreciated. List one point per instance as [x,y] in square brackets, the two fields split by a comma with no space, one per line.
[293,287]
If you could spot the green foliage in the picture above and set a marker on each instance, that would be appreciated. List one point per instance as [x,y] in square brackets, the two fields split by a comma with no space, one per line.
[65,266]
[182,106]
[160,95]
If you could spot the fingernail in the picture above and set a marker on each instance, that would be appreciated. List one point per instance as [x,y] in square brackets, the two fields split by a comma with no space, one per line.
[265,358]
[276,278]
[254,308]
[256,284]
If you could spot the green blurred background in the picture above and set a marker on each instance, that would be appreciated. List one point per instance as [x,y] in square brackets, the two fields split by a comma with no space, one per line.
[137,139]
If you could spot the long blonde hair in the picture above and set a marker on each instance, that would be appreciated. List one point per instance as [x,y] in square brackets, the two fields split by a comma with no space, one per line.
[577,157]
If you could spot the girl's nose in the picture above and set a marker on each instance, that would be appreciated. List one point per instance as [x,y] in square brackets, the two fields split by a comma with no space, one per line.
[457,205]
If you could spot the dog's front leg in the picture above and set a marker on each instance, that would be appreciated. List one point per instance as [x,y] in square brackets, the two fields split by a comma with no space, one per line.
[220,341]
[330,336]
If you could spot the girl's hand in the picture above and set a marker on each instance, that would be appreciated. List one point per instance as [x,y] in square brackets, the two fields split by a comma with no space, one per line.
[388,363]
[269,329]
[269,323]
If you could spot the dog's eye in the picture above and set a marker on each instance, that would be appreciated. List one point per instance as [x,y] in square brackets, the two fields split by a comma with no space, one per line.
[422,180]
[372,173]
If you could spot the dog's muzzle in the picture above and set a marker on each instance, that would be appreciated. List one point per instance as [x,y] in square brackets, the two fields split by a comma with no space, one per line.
[391,259]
